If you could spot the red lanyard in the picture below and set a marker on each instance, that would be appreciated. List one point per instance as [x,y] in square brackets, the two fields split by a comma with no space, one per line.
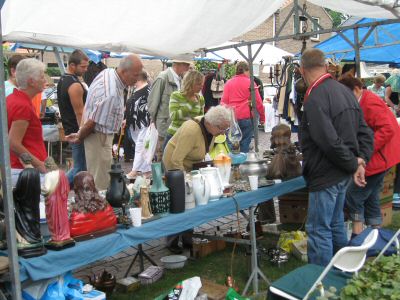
[315,84]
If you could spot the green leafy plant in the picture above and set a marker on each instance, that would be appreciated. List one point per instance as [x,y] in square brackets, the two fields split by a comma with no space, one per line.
[53,71]
[379,280]
[209,65]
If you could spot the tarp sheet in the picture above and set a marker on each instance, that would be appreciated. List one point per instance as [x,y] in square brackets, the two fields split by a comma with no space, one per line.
[168,28]
[55,263]
[382,34]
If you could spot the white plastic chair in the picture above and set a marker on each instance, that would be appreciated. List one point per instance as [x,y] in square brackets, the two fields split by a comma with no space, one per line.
[347,259]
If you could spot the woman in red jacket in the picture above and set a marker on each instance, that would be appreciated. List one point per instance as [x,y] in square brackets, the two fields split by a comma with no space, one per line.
[237,95]
[363,203]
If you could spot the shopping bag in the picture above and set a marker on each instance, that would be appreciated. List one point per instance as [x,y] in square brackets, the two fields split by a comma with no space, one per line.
[150,143]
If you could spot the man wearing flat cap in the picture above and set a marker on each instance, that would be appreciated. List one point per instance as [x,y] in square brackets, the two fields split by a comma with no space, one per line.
[166,82]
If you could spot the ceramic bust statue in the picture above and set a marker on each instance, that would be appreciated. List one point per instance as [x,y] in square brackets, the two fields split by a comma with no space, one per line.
[280,136]
[91,216]
[56,190]
[27,216]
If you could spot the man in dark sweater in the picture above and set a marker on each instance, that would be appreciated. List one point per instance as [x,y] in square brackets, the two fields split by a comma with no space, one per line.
[71,100]
[336,145]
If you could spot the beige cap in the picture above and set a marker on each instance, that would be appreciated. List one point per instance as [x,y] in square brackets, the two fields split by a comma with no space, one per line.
[181,61]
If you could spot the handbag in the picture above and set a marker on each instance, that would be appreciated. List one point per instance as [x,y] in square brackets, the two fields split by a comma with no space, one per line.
[217,87]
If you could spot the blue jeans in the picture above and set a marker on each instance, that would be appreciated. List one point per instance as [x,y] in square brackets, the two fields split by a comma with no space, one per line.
[166,140]
[78,157]
[246,127]
[363,203]
[325,223]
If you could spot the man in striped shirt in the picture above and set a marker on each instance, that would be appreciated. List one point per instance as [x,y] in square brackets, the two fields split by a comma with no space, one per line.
[103,116]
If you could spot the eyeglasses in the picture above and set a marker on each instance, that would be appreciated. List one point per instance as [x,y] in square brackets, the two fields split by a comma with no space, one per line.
[224,129]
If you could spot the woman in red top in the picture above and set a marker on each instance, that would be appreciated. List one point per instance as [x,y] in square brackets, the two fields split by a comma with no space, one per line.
[237,95]
[24,127]
[363,202]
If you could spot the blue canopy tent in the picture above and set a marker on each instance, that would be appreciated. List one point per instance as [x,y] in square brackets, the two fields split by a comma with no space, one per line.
[377,44]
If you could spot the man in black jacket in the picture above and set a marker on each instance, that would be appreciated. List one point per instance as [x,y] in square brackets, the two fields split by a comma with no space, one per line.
[336,145]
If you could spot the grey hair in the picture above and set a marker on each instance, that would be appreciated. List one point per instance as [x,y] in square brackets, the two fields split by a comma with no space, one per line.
[126,62]
[29,68]
[218,115]
[312,58]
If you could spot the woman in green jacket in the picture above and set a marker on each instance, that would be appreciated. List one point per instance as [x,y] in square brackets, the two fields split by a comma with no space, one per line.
[185,104]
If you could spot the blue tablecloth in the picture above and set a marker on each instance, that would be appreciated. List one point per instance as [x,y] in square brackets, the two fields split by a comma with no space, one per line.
[55,263]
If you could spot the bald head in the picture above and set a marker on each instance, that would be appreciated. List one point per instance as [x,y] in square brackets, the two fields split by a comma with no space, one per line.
[313,58]
[312,65]
[129,69]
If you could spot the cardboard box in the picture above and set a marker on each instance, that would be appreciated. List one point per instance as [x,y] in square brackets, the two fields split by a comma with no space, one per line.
[213,290]
[387,211]
[293,211]
[204,249]
[387,189]
[127,284]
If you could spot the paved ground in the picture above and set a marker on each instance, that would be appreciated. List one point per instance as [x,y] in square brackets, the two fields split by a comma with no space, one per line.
[119,263]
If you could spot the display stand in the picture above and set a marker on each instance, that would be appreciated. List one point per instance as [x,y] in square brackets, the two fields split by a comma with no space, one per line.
[140,253]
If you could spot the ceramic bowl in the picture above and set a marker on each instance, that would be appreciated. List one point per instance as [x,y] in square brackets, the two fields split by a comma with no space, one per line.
[173,261]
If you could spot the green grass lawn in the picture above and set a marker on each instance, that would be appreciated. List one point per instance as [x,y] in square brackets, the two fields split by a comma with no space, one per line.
[216,266]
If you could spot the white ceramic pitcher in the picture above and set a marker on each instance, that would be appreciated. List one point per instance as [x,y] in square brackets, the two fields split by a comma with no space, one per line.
[214,179]
[201,188]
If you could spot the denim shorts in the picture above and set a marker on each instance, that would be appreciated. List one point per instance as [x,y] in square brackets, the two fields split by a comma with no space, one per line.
[363,203]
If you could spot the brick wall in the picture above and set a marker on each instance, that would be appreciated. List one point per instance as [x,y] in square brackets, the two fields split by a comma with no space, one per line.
[294,46]
[265,30]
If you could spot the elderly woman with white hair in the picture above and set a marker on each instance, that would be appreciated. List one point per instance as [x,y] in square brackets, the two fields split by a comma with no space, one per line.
[195,138]
[24,127]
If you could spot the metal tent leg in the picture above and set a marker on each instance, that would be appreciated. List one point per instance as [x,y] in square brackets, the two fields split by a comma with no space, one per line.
[140,253]
[254,263]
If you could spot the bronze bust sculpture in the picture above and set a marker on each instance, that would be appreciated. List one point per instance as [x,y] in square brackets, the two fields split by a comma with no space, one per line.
[91,216]
[27,216]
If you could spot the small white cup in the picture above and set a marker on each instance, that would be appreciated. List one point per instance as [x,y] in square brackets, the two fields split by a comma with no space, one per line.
[253,179]
[136,216]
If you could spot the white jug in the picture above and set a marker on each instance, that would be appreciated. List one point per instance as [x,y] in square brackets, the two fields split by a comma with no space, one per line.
[214,179]
[189,194]
[201,188]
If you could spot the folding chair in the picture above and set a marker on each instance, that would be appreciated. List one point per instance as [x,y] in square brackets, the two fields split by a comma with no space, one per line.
[301,282]
[394,240]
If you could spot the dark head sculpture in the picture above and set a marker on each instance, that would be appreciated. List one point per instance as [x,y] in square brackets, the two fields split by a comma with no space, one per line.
[280,136]
[87,198]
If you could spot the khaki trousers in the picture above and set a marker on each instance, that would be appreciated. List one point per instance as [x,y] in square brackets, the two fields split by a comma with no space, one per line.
[98,152]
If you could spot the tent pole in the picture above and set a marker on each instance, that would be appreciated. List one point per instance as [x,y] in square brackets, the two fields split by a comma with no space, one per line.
[6,189]
[59,60]
[253,97]
[357,52]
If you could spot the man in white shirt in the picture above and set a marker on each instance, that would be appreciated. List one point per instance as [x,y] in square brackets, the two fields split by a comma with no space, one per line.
[103,116]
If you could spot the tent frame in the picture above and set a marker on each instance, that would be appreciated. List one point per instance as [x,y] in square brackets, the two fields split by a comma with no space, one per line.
[357,46]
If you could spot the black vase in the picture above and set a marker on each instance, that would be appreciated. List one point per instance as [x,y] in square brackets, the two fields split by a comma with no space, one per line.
[176,184]
[117,193]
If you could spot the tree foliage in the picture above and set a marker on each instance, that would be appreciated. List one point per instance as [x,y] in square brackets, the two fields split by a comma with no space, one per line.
[337,17]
